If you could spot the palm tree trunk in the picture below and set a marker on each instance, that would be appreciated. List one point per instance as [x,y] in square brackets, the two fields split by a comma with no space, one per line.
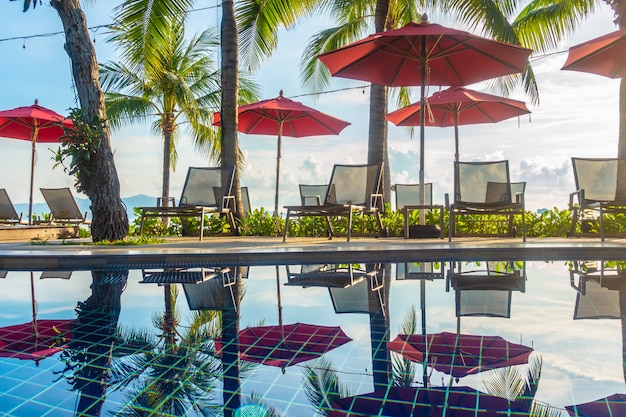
[168,131]
[230,92]
[109,217]
[92,339]
[377,143]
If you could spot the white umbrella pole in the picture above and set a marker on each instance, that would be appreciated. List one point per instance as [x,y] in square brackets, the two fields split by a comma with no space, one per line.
[456,136]
[280,137]
[32,178]
[422,219]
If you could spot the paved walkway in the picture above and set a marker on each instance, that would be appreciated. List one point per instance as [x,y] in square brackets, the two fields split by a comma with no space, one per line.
[237,251]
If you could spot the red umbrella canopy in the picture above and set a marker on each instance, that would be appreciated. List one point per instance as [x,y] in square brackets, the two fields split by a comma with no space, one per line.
[432,402]
[454,57]
[33,123]
[24,341]
[605,55]
[459,106]
[461,355]
[613,405]
[287,345]
[265,118]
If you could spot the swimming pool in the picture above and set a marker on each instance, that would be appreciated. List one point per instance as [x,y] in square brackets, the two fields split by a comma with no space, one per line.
[110,351]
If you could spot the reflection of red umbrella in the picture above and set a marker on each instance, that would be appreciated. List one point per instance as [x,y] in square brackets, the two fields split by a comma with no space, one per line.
[460,355]
[605,55]
[283,117]
[459,106]
[613,405]
[287,345]
[425,54]
[432,402]
[34,341]
[36,124]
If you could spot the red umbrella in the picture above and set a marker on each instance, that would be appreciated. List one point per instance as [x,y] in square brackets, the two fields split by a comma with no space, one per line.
[287,345]
[425,54]
[432,402]
[459,106]
[605,55]
[36,124]
[34,340]
[460,355]
[284,117]
[613,405]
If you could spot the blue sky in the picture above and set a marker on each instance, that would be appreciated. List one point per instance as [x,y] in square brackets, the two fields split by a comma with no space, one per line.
[577,116]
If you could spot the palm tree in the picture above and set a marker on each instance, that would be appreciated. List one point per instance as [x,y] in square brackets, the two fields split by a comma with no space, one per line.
[179,373]
[100,180]
[172,81]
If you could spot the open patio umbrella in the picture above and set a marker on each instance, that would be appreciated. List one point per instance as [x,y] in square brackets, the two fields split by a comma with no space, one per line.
[284,117]
[425,54]
[37,339]
[460,354]
[459,106]
[35,124]
[431,402]
[605,55]
[613,405]
[284,345]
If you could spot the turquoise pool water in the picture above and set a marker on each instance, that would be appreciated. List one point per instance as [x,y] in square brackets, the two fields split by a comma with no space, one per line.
[567,312]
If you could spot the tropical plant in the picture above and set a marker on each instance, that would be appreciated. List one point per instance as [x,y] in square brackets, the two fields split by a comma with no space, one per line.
[172,82]
[322,385]
[180,372]
[109,218]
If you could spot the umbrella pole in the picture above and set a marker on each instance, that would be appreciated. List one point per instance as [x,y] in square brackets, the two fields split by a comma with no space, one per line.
[423,311]
[280,306]
[422,219]
[456,136]
[280,137]
[32,175]
[34,305]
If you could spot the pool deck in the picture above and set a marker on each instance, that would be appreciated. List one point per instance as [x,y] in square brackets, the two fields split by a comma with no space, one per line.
[238,251]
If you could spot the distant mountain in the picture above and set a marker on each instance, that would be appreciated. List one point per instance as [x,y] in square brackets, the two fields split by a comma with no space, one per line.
[139,200]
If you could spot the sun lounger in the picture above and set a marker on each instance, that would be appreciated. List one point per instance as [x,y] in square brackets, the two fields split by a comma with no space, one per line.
[8,214]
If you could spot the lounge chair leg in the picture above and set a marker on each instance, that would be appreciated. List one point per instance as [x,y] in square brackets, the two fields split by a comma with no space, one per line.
[406,223]
[601,224]
[286,226]
[572,228]
[201,225]
[349,223]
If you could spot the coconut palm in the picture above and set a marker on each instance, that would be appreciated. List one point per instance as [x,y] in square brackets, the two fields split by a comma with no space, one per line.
[99,178]
[180,372]
[173,83]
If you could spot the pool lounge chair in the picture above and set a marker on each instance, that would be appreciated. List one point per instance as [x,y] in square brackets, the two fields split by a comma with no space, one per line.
[8,214]
[597,291]
[206,191]
[595,196]
[352,188]
[63,207]
[485,189]
[408,200]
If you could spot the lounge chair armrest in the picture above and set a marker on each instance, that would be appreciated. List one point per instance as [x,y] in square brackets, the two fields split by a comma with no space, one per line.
[318,199]
[447,201]
[581,196]
[376,200]
[228,202]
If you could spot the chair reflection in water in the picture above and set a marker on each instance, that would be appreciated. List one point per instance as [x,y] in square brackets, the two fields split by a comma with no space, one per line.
[598,289]
[487,291]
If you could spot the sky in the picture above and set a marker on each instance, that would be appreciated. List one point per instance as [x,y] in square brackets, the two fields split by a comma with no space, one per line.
[577,116]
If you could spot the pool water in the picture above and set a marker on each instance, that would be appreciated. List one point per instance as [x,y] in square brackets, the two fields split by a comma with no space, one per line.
[109,350]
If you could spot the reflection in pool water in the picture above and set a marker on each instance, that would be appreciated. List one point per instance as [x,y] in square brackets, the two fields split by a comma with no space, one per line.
[144,340]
